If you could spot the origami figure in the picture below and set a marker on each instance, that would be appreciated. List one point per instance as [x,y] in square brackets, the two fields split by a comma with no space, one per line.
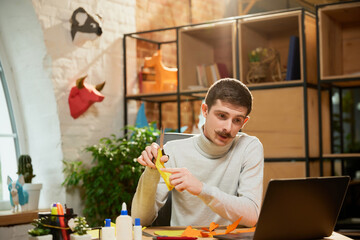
[18,196]
[165,77]
[84,24]
[82,96]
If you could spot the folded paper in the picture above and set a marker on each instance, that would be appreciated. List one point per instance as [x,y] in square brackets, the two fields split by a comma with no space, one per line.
[165,175]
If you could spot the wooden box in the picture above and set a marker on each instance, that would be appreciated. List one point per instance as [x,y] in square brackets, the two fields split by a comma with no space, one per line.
[278,120]
[339,41]
[204,45]
[274,31]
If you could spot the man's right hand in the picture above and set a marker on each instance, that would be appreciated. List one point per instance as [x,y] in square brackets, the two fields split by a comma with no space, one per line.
[148,156]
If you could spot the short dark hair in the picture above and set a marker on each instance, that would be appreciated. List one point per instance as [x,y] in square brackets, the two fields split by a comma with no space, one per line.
[229,90]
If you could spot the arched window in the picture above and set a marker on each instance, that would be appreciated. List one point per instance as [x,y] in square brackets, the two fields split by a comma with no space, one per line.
[9,142]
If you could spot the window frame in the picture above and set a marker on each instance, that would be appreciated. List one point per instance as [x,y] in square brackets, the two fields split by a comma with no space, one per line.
[14,134]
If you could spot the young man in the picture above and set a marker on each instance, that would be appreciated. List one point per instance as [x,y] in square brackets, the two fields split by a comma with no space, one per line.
[217,175]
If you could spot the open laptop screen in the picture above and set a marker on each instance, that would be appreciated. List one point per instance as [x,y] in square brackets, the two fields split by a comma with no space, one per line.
[305,208]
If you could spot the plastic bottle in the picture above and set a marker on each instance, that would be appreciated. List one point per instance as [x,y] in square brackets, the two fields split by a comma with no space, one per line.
[108,232]
[124,225]
[137,230]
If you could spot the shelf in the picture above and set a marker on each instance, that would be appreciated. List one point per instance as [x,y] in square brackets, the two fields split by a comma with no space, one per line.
[341,81]
[274,32]
[205,44]
[339,40]
[280,84]
[163,97]
[342,156]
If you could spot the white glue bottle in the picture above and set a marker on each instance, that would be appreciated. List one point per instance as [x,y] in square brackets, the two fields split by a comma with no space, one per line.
[124,225]
[107,232]
[137,230]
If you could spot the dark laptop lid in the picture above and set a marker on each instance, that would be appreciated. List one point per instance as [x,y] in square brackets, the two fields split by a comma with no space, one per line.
[301,208]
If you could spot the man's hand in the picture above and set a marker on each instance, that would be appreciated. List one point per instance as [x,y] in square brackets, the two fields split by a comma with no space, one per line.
[182,179]
[148,156]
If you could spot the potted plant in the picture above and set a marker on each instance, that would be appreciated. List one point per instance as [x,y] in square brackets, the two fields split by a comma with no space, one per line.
[25,168]
[40,232]
[79,227]
[112,178]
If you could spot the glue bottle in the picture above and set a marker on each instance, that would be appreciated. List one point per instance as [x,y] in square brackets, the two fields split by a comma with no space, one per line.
[124,225]
[137,230]
[107,232]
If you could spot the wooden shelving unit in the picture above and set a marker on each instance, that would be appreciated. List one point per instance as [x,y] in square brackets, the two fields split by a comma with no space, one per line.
[338,31]
[339,40]
[285,113]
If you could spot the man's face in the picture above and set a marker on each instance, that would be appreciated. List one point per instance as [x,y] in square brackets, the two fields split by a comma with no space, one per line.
[223,121]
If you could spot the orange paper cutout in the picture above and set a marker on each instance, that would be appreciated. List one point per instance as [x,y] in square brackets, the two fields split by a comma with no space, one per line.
[233,226]
[213,226]
[204,234]
[191,232]
[246,230]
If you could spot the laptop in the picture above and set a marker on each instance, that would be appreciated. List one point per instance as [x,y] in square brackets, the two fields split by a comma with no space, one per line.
[305,208]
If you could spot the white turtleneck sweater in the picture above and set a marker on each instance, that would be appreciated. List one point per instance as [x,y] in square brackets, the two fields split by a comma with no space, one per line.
[232,178]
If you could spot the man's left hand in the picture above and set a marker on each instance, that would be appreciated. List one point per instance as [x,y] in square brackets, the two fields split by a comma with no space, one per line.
[182,179]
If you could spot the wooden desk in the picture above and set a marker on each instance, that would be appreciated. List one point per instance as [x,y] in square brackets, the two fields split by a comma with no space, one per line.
[151,230]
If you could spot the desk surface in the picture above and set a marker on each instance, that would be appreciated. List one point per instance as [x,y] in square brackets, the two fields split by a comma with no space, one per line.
[151,230]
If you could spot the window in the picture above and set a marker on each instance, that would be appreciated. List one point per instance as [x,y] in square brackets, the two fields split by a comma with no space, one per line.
[9,144]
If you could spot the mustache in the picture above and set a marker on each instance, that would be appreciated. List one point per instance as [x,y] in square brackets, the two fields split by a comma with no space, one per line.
[224,134]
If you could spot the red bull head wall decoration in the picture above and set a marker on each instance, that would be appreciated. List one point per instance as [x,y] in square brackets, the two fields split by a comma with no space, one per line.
[83,95]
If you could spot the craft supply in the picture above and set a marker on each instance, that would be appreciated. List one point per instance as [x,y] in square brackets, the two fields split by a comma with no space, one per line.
[107,232]
[137,230]
[60,211]
[159,165]
[54,220]
[124,225]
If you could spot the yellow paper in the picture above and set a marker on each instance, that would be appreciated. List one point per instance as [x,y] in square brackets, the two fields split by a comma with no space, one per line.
[94,233]
[165,175]
[169,233]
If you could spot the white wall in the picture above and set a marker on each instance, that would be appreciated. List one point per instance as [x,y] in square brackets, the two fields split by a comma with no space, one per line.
[45,64]
[21,37]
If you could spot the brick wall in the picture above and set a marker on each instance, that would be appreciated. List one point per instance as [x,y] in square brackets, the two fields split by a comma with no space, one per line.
[157,14]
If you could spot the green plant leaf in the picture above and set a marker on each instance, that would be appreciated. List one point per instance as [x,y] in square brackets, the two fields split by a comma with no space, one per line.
[113,176]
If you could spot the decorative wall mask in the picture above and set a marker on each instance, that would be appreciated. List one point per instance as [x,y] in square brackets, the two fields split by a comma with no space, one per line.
[83,95]
[82,23]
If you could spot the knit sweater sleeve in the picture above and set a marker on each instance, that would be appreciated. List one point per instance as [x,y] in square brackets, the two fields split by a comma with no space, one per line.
[247,202]
[150,196]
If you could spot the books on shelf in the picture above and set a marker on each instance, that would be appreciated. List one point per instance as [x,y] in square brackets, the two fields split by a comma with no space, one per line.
[207,74]
[293,64]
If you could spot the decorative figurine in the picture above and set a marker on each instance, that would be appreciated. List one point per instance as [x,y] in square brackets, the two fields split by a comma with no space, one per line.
[18,196]
[165,77]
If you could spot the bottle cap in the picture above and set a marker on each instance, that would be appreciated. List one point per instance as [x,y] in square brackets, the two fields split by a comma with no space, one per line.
[124,210]
[107,222]
[137,221]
